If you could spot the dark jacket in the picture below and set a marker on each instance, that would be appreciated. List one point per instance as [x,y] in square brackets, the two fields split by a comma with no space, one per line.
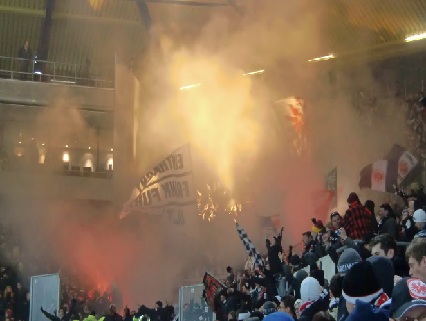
[365,312]
[389,226]
[309,312]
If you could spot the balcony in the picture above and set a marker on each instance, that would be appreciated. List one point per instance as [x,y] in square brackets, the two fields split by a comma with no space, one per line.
[42,83]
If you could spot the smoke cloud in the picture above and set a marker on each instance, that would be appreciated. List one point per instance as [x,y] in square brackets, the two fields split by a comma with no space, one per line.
[236,140]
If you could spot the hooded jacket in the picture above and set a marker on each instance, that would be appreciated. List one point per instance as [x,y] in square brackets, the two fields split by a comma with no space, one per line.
[365,311]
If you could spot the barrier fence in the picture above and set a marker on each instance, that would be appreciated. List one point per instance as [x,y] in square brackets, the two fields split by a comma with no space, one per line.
[56,72]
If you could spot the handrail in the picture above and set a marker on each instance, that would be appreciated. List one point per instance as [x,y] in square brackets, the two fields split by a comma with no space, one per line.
[56,72]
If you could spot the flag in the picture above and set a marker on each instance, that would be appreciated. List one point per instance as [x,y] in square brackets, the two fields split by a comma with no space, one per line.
[395,169]
[331,186]
[212,289]
[271,225]
[249,245]
[291,113]
[168,188]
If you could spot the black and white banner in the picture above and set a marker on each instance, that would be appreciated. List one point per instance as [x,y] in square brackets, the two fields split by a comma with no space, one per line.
[383,174]
[168,188]
[251,250]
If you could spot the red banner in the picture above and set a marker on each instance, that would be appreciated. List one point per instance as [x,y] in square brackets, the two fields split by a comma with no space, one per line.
[212,288]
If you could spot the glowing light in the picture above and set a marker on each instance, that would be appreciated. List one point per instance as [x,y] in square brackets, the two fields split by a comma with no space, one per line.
[214,200]
[110,163]
[66,146]
[66,157]
[42,144]
[189,87]
[254,72]
[88,163]
[90,147]
[112,149]
[416,37]
[19,142]
[327,57]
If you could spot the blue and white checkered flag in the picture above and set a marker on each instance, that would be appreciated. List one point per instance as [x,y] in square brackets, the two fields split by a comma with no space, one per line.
[249,245]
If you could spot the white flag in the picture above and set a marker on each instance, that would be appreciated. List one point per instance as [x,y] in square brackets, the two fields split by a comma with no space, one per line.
[168,188]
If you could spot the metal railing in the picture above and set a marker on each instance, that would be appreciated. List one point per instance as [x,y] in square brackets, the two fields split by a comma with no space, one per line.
[56,72]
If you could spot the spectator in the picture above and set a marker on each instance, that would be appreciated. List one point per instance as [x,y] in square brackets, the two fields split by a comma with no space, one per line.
[287,306]
[419,219]
[113,315]
[273,253]
[25,55]
[269,307]
[335,294]
[309,254]
[361,285]
[357,220]
[408,300]
[370,206]
[230,278]
[387,221]
[385,245]
[416,255]
[348,258]
[408,227]
[312,302]
[383,270]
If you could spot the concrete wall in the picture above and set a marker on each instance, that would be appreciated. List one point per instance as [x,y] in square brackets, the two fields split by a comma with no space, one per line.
[46,185]
[45,94]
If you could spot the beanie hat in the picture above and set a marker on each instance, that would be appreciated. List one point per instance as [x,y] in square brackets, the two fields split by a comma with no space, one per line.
[318,226]
[348,258]
[269,307]
[360,283]
[278,316]
[407,294]
[353,197]
[310,290]
[301,275]
[384,272]
[419,216]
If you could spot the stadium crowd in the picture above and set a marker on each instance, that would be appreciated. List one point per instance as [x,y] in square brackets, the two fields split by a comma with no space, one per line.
[380,262]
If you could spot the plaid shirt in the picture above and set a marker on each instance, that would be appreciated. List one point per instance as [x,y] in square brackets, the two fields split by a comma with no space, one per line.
[357,221]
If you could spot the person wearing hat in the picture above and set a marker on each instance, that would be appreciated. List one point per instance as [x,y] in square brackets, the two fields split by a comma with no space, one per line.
[363,293]
[408,300]
[357,221]
[419,218]
[387,223]
[348,258]
[269,307]
[312,302]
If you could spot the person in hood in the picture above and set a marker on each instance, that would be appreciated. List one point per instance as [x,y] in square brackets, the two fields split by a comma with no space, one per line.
[312,302]
[388,222]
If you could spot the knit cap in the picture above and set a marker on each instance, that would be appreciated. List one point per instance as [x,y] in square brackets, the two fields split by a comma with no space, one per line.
[383,270]
[310,290]
[360,283]
[348,258]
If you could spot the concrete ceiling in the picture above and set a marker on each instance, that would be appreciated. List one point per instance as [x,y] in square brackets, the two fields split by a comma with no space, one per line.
[97,29]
